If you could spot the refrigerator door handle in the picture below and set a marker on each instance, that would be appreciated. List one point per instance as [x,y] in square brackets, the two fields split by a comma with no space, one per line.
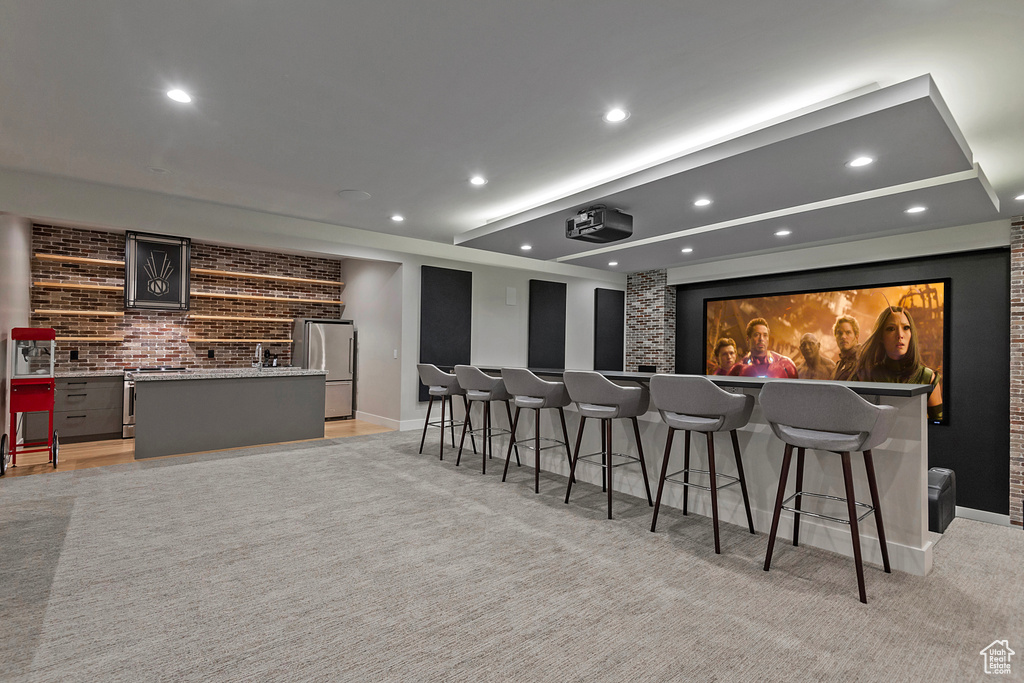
[351,345]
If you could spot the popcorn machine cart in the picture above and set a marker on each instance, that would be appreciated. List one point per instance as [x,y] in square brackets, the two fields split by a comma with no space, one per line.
[32,390]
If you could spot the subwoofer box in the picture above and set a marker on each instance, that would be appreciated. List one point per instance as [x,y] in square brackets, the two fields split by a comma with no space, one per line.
[941,498]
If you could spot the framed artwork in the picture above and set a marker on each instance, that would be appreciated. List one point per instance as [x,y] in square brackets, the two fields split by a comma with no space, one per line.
[156,272]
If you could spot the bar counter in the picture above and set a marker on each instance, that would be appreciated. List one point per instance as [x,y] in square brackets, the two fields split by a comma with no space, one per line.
[203,410]
[901,469]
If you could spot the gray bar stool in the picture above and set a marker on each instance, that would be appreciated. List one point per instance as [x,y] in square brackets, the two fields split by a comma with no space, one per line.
[442,385]
[483,388]
[599,398]
[533,393]
[695,404]
[826,417]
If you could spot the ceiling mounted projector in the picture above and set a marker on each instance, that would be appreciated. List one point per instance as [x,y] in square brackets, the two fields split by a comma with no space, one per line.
[599,224]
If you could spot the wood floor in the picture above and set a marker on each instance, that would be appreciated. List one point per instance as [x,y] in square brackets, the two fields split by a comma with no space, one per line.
[77,456]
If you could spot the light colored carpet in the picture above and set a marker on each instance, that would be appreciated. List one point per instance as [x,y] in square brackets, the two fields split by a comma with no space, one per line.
[359,560]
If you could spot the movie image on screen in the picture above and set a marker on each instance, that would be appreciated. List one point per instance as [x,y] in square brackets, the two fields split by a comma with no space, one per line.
[894,333]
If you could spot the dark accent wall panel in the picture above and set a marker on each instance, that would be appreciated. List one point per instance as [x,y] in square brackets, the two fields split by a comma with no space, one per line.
[446,318]
[976,442]
[547,325]
[609,329]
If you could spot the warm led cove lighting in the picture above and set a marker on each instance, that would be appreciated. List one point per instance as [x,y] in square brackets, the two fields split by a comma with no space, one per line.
[179,95]
[398,218]
[916,209]
[860,161]
[613,263]
[616,115]
[526,247]
[1020,198]
[783,232]
[687,250]
[478,180]
[703,201]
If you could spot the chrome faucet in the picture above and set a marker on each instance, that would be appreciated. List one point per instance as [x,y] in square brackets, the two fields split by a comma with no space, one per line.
[258,360]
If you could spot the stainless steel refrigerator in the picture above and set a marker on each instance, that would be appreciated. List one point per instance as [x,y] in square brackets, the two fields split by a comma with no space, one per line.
[328,345]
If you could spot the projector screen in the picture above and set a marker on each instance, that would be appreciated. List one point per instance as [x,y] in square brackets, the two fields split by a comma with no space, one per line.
[895,333]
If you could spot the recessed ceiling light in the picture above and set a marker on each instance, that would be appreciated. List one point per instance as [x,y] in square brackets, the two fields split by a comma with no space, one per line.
[179,95]
[616,115]
[859,161]
[703,201]
[478,180]
[613,263]
[353,195]
[916,209]
[398,218]
[1020,198]
[687,250]
[782,232]
[526,247]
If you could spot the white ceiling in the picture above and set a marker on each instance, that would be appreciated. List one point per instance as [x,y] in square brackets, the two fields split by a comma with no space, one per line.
[296,101]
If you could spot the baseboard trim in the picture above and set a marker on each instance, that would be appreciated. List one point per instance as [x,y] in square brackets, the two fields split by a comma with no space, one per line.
[983,516]
[378,420]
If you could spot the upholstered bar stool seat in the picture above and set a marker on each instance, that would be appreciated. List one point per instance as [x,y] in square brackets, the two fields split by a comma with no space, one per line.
[826,417]
[598,398]
[482,388]
[442,385]
[695,404]
[533,393]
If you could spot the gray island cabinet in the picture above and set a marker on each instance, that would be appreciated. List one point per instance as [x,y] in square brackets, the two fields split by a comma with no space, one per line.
[208,410]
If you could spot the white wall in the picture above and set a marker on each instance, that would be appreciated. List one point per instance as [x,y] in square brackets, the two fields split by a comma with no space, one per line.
[15,292]
[373,300]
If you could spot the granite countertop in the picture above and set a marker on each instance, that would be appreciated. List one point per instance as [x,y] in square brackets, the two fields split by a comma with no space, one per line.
[229,373]
[61,374]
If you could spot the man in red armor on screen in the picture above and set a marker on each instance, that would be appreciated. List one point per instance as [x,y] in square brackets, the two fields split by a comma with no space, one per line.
[760,362]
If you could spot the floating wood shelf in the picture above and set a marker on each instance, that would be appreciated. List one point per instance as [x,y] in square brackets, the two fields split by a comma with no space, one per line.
[258,276]
[240,341]
[241,317]
[91,339]
[54,311]
[73,285]
[78,259]
[252,297]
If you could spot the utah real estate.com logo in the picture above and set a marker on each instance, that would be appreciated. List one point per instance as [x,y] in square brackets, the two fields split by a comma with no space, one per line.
[997,657]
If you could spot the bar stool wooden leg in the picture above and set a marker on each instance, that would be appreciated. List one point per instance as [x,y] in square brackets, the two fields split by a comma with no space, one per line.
[604,451]
[575,459]
[512,443]
[799,498]
[851,504]
[508,456]
[565,435]
[661,481]
[643,467]
[427,423]
[487,438]
[462,441]
[870,467]
[686,469]
[536,450]
[451,418]
[472,439]
[743,480]
[608,469]
[714,488]
[440,450]
[783,476]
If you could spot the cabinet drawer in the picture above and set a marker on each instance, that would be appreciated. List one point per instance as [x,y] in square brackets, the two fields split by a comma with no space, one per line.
[87,422]
[89,397]
[72,423]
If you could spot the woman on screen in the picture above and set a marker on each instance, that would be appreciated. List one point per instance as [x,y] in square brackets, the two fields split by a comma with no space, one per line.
[891,354]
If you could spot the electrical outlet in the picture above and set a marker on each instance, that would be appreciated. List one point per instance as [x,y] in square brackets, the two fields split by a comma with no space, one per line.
[209,353]
[74,354]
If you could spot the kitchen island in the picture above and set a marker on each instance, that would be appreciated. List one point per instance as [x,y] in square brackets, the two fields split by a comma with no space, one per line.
[205,410]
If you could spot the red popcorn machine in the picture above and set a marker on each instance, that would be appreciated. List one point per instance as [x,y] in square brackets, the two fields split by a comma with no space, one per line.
[32,390]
